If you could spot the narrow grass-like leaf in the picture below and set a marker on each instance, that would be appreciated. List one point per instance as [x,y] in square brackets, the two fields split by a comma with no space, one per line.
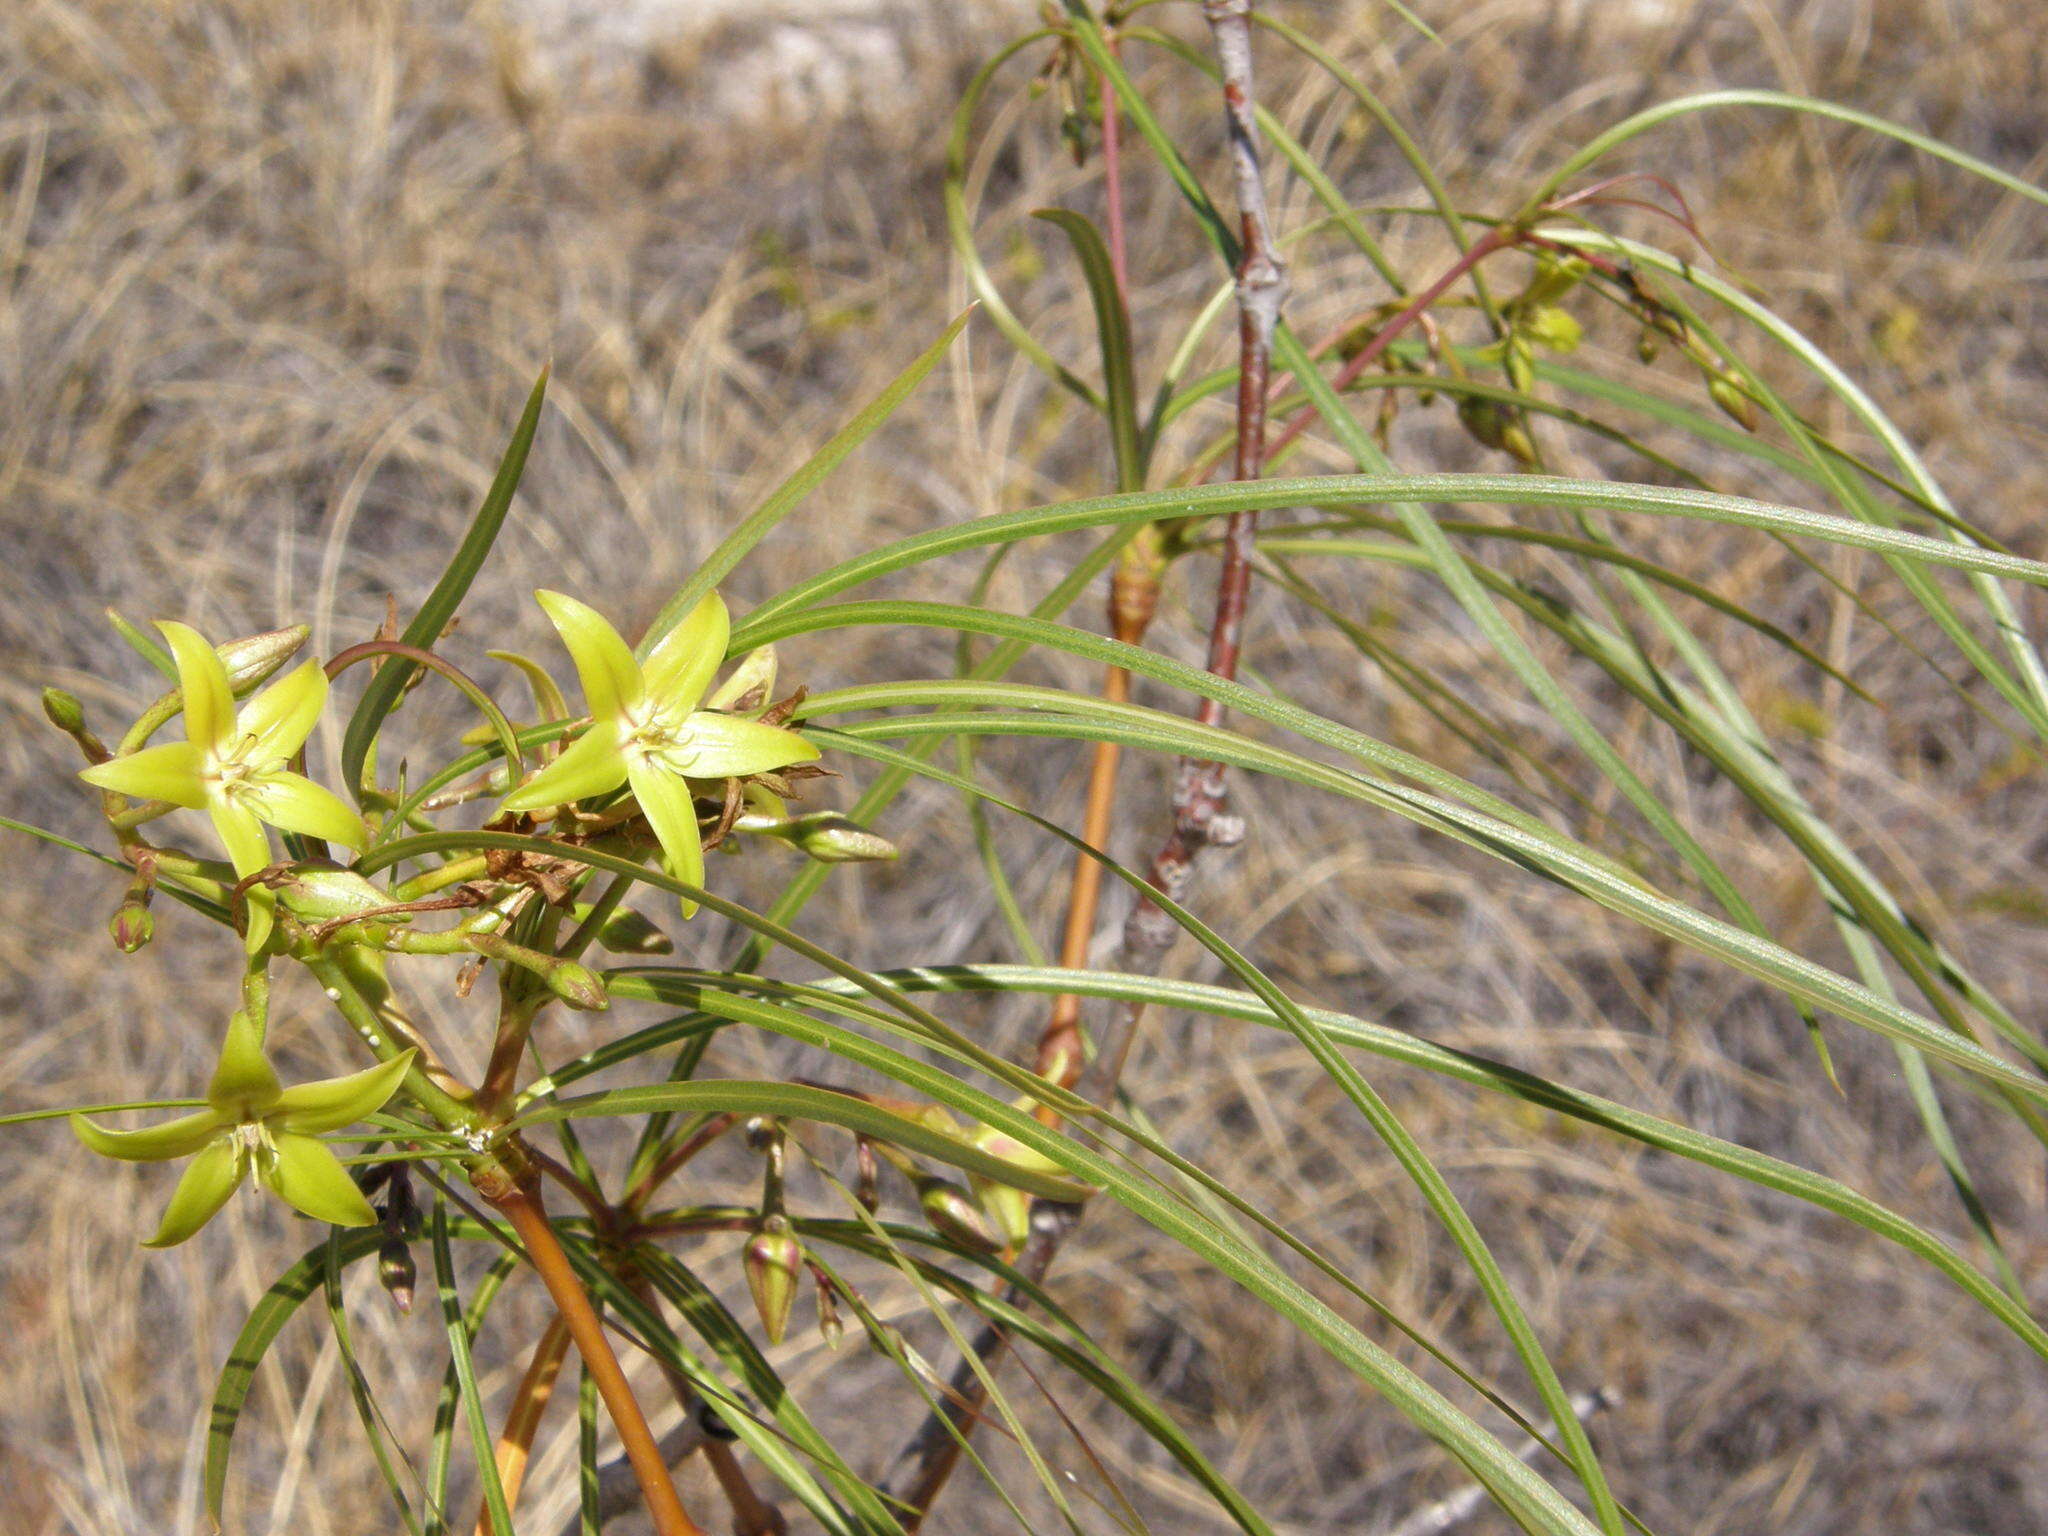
[787,496]
[482,1445]
[382,693]
[1113,334]
[265,1321]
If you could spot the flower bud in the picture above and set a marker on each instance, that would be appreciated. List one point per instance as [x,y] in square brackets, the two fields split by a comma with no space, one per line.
[1728,394]
[953,1214]
[131,925]
[396,1271]
[627,932]
[64,710]
[255,657]
[830,838]
[1646,345]
[754,675]
[318,893]
[774,1259]
[577,985]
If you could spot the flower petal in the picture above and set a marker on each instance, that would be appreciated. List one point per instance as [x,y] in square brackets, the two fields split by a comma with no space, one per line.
[604,664]
[202,1191]
[665,802]
[203,678]
[681,666]
[282,716]
[307,1109]
[166,771]
[312,1181]
[297,804]
[592,765]
[732,746]
[152,1144]
[243,1086]
[242,835]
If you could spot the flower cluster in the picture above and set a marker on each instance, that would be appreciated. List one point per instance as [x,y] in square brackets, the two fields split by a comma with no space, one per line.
[649,733]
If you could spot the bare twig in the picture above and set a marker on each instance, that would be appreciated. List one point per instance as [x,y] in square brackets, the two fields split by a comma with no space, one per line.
[1201,816]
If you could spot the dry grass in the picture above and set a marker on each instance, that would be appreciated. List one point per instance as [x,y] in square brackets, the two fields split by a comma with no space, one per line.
[270,289]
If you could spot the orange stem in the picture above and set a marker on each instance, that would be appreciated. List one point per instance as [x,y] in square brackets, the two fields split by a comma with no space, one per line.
[515,1443]
[520,1205]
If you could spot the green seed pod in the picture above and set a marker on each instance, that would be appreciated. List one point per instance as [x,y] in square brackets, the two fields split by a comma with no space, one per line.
[1482,418]
[1646,345]
[773,1262]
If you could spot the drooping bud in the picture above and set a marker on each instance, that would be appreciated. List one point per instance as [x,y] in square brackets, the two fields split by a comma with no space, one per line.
[397,1272]
[1646,345]
[953,1213]
[774,1260]
[131,925]
[867,1177]
[830,1328]
[1728,393]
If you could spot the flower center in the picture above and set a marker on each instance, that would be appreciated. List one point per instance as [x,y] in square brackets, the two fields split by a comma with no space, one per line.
[231,773]
[665,743]
[254,1151]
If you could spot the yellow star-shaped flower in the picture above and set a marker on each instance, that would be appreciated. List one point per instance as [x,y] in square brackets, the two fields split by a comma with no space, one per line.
[647,731]
[232,764]
[253,1126]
